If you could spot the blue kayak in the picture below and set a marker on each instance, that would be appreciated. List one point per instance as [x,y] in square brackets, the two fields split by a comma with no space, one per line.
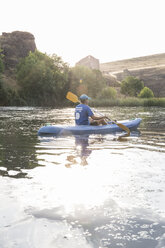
[87,129]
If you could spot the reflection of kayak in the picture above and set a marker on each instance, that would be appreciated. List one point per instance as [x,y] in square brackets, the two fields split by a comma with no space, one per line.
[85,129]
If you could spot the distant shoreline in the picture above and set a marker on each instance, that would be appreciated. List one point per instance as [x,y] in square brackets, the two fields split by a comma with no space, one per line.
[124,102]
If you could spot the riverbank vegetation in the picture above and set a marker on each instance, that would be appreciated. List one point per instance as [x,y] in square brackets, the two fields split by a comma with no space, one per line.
[128,102]
[43,80]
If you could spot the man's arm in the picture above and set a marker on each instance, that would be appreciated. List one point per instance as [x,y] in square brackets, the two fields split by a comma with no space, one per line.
[97,118]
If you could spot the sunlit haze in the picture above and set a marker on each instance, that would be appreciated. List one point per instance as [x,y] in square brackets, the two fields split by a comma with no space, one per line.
[107,29]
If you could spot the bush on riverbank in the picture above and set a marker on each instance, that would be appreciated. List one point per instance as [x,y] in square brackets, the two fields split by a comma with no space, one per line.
[131,86]
[146,93]
[108,92]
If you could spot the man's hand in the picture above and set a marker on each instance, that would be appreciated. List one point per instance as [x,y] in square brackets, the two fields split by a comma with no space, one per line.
[106,117]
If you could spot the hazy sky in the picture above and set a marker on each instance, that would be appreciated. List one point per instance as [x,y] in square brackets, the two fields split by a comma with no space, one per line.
[107,29]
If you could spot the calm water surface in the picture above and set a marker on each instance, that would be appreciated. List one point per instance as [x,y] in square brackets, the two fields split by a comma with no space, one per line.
[81,192]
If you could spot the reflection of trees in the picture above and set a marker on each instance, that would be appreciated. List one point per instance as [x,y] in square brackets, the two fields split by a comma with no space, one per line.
[18,175]
[17,151]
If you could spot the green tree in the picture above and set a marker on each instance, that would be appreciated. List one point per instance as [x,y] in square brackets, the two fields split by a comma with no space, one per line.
[108,93]
[43,80]
[131,86]
[85,80]
[3,93]
[146,93]
[1,62]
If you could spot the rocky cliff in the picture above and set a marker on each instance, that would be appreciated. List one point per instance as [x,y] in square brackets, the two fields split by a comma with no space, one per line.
[151,69]
[16,45]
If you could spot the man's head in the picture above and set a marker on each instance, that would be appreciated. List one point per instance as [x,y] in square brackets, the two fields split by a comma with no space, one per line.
[84,98]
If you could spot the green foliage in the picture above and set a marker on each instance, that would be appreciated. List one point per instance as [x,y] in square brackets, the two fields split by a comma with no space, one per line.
[131,86]
[146,93]
[1,66]
[3,93]
[128,102]
[14,99]
[1,62]
[108,93]
[85,80]
[149,102]
[43,80]
[9,97]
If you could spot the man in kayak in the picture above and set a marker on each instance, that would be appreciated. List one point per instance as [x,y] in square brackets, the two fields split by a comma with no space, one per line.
[84,114]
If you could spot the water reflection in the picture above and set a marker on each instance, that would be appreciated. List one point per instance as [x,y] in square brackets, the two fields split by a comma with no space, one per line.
[81,145]
[82,148]
[108,200]
[17,153]
[112,195]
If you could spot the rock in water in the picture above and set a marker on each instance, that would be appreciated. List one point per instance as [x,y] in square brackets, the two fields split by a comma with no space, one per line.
[16,45]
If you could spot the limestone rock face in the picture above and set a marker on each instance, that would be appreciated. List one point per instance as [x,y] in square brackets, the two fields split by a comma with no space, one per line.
[16,45]
[150,69]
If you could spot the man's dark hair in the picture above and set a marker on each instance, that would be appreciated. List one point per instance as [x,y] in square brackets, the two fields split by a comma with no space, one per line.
[82,100]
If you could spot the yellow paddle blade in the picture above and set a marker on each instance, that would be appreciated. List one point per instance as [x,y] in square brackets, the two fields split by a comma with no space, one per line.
[72,97]
[124,128]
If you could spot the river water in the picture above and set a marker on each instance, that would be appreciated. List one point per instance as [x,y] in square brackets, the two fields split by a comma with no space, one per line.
[81,192]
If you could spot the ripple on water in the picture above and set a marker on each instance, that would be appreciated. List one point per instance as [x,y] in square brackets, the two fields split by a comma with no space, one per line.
[68,192]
